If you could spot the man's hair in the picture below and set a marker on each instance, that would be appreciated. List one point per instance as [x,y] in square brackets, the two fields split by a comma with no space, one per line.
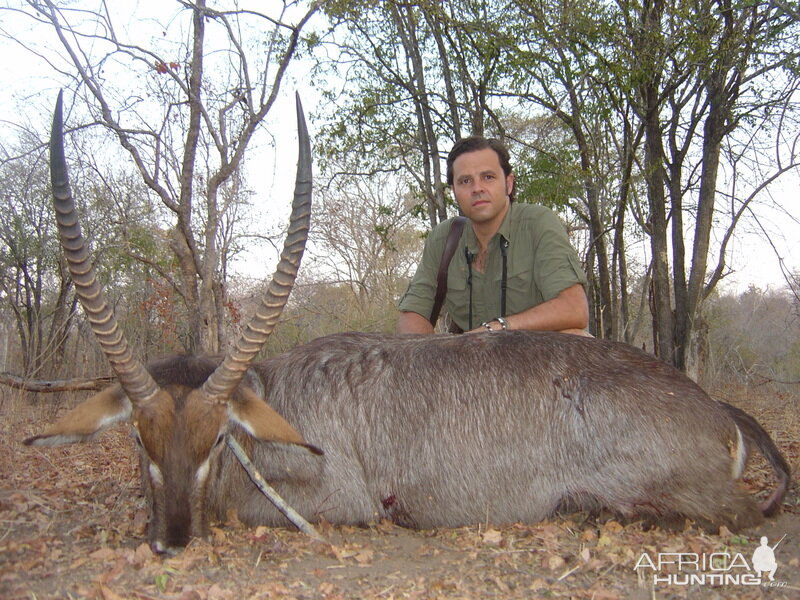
[474,143]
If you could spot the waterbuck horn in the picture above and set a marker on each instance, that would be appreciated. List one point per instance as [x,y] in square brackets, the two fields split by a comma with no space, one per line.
[219,386]
[134,378]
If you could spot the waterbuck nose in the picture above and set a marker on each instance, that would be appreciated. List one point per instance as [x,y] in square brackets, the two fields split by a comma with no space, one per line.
[162,549]
[175,539]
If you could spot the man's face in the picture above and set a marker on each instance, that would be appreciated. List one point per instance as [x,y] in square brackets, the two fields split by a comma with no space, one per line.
[481,188]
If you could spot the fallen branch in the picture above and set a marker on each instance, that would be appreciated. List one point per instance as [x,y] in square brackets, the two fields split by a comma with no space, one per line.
[768,379]
[58,385]
[270,492]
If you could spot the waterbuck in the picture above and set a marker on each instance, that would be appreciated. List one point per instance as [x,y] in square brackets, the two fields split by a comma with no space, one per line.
[426,431]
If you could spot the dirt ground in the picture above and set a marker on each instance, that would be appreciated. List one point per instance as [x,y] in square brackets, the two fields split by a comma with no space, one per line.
[72,525]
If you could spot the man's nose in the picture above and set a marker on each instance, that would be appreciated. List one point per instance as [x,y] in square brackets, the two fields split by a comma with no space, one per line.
[477,187]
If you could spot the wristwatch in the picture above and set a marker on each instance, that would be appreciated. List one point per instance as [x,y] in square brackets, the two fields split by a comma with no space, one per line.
[503,324]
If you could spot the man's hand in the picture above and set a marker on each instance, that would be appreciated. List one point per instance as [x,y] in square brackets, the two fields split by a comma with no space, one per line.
[568,313]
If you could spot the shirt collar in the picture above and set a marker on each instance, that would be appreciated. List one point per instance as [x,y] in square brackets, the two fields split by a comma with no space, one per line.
[508,221]
[505,230]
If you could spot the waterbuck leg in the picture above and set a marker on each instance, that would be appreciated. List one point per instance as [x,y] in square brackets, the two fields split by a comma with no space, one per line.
[270,492]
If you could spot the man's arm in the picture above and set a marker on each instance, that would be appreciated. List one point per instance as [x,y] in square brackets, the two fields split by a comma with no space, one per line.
[568,312]
[411,322]
[420,295]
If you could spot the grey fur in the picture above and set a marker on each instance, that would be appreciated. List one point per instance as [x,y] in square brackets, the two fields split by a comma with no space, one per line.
[433,431]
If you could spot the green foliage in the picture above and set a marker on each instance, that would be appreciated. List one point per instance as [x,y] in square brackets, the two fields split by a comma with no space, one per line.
[549,173]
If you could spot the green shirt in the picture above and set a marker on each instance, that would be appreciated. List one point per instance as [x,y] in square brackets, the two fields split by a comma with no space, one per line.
[541,264]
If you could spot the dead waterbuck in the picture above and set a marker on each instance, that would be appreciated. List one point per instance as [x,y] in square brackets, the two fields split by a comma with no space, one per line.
[427,431]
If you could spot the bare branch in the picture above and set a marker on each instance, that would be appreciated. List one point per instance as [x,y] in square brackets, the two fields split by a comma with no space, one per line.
[57,385]
[266,489]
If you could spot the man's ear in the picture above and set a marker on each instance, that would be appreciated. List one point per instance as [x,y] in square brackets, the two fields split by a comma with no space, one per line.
[88,419]
[510,181]
[262,422]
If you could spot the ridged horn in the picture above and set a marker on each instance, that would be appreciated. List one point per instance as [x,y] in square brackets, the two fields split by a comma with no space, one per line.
[134,378]
[220,385]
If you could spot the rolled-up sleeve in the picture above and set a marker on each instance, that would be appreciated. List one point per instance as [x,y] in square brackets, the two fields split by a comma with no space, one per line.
[556,263]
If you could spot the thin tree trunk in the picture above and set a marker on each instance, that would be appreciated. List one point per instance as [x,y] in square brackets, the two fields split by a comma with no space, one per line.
[185,248]
[406,27]
[660,301]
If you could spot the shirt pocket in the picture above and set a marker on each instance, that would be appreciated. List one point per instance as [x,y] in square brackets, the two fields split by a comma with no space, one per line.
[521,292]
[456,285]
[457,299]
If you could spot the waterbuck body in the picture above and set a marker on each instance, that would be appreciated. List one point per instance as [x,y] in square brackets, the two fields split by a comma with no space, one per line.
[426,431]
[433,431]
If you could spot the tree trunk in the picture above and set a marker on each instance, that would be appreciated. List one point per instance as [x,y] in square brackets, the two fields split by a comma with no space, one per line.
[406,26]
[654,174]
[185,247]
[650,90]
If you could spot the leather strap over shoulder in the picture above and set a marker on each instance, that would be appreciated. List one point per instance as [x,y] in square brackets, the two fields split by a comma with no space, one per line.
[456,228]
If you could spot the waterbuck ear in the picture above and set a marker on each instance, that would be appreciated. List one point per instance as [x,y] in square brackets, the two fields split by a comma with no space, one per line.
[89,418]
[262,422]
